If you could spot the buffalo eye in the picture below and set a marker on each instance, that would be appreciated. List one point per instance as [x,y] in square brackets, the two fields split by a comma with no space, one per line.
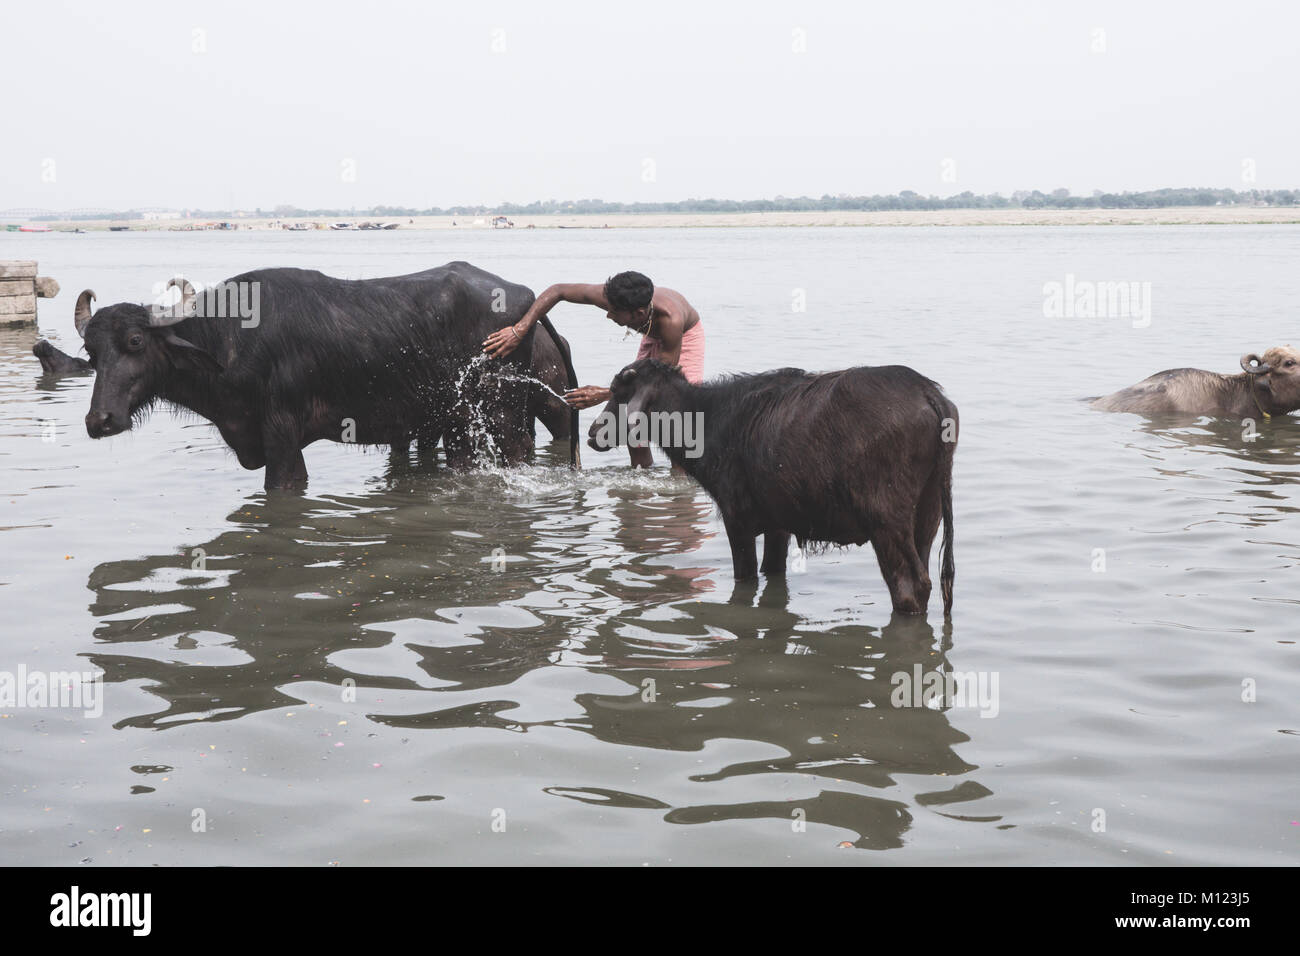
[135,341]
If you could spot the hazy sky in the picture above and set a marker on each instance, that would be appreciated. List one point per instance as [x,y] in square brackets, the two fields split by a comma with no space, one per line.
[330,104]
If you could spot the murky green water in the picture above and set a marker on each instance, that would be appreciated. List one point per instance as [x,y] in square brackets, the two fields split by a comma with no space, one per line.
[419,667]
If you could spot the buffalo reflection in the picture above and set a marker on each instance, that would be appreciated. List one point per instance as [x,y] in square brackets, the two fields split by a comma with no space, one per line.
[716,671]
[295,581]
[1260,456]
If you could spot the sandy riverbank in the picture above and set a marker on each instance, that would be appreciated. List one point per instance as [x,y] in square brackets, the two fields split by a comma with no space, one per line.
[1188,215]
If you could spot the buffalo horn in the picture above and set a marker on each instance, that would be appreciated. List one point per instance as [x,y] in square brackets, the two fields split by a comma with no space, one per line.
[180,311]
[1255,365]
[82,314]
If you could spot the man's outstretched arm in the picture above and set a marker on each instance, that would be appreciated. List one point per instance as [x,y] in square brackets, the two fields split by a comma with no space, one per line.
[504,341]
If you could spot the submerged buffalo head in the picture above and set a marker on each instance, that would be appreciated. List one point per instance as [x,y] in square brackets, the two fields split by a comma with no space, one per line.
[133,350]
[645,385]
[56,362]
[1277,372]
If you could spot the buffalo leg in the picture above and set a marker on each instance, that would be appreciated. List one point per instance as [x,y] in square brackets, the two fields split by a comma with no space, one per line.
[514,440]
[743,592]
[458,446]
[775,546]
[744,551]
[776,593]
[426,448]
[901,567]
[510,423]
[399,454]
[929,512]
[285,467]
[286,471]
[554,416]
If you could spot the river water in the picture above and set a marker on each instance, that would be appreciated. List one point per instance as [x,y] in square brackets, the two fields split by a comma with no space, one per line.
[412,667]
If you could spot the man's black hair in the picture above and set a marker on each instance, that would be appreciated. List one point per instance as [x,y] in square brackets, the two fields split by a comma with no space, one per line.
[628,290]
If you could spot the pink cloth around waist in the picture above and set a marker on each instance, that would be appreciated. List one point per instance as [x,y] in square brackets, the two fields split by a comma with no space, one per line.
[692,357]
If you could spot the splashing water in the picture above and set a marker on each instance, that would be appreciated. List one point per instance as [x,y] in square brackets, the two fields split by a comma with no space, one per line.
[530,379]
[540,481]
[486,373]
[537,480]
[486,452]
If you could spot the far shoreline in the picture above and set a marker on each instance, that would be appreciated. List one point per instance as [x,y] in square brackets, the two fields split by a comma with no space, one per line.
[1171,216]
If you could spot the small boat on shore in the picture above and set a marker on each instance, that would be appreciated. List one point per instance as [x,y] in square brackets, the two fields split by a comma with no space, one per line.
[33,227]
[362,226]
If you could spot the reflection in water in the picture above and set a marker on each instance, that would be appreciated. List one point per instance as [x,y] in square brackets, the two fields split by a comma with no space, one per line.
[598,576]
[1260,458]
[294,581]
[822,699]
[1273,441]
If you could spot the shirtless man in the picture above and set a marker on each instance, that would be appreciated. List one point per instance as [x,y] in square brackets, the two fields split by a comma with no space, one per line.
[671,330]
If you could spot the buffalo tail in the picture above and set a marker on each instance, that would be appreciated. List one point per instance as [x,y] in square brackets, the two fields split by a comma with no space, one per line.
[947,567]
[572,376]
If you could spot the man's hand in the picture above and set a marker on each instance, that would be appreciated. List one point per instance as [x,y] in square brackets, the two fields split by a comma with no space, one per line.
[504,341]
[587,396]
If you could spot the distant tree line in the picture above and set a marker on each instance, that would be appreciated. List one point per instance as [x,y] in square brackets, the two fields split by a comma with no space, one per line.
[906,200]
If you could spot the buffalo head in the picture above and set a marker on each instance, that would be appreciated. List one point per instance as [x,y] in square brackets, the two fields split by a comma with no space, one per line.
[1277,372]
[645,385]
[133,350]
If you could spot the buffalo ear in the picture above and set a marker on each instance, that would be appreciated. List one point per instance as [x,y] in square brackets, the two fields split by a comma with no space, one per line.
[187,355]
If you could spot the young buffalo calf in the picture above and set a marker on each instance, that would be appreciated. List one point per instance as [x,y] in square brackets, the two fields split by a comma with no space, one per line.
[841,458]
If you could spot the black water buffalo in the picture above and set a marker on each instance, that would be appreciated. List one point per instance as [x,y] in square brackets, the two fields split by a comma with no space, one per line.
[839,458]
[280,358]
[56,362]
[1266,386]
[549,368]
